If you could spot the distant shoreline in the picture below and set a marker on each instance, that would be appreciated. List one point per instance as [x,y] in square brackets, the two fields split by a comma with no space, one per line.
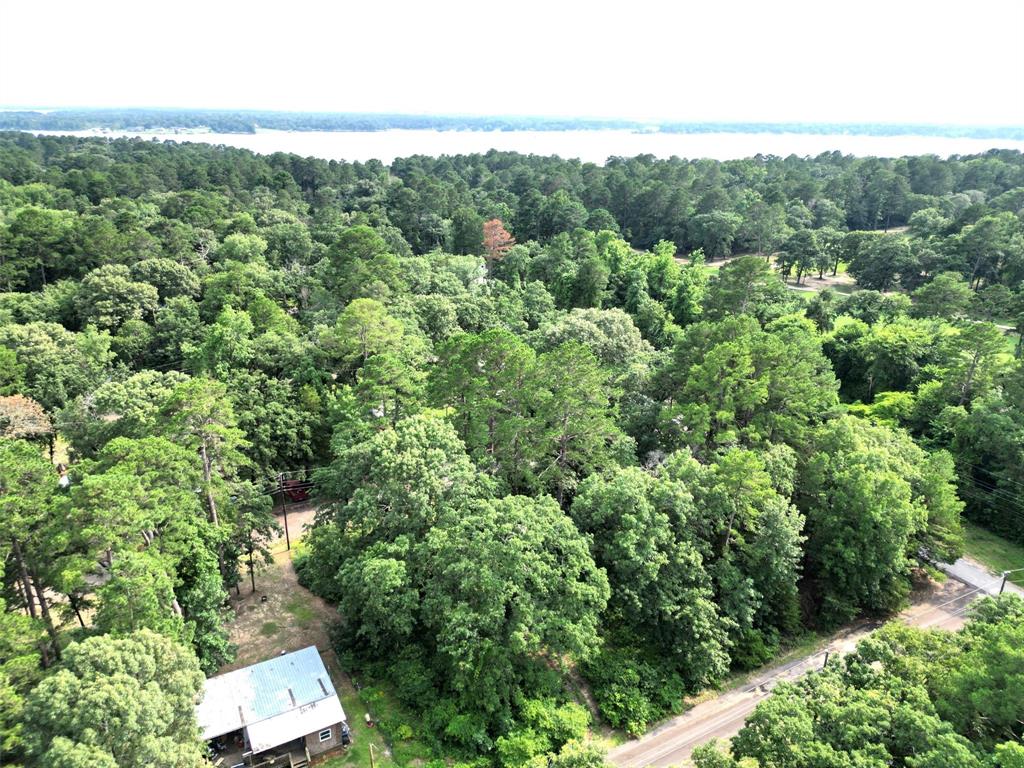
[187,121]
[586,145]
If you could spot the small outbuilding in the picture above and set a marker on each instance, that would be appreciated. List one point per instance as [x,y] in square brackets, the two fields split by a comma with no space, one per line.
[280,713]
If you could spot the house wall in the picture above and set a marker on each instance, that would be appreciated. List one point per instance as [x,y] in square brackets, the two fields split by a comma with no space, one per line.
[316,747]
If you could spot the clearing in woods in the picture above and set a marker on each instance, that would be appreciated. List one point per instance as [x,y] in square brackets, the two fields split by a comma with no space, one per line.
[281,615]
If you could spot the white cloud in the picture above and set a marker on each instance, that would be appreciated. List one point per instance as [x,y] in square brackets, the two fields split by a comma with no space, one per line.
[893,61]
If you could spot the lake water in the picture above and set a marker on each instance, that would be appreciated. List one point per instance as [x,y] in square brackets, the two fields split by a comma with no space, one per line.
[589,146]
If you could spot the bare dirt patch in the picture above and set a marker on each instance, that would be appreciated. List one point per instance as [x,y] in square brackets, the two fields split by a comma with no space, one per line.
[280,615]
[843,283]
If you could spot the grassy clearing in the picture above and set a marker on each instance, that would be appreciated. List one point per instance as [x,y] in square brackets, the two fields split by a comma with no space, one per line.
[396,724]
[358,754]
[993,550]
[284,616]
[300,611]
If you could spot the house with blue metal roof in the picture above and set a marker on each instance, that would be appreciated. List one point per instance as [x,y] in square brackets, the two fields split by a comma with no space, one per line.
[279,712]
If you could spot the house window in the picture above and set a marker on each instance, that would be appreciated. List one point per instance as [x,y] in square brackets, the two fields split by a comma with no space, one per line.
[325,735]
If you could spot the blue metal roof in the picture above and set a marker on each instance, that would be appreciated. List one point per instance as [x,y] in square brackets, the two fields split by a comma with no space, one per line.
[270,688]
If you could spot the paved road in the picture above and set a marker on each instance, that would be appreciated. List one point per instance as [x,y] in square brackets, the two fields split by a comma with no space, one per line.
[672,742]
[974,573]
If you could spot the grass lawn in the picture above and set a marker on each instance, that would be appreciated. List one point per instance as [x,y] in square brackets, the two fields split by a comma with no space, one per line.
[358,755]
[994,551]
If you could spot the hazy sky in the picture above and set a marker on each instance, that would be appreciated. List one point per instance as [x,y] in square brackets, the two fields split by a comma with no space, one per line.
[812,60]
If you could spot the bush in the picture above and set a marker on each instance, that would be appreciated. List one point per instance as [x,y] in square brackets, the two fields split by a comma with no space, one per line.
[300,562]
[516,749]
[558,723]
[633,688]
[754,648]
[413,682]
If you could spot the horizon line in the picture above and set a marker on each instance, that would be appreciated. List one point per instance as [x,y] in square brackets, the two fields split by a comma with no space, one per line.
[506,116]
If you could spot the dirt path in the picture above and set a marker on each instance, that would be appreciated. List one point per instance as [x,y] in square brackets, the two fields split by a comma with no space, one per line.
[280,615]
[938,606]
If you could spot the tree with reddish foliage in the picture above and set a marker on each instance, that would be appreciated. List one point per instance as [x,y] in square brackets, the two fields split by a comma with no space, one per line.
[497,242]
[23,418]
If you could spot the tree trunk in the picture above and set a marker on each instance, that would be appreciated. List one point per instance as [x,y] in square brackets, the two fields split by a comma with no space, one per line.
[44,654]
[969,380]
[208,483]
[74,606]
[26,582]
[47,619]
[728,532]
[210,501]
[974,272]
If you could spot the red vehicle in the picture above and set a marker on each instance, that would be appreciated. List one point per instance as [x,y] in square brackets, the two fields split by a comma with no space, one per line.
[296,490]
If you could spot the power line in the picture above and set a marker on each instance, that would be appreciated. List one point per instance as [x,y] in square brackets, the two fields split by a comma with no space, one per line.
[992,488]
[977,494]
[1002,495]
[989,472]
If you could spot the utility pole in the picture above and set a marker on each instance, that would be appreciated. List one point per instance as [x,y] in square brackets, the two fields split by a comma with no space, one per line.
[1002,586]
[252,567]
[371,755]
[825,662]
[284,508]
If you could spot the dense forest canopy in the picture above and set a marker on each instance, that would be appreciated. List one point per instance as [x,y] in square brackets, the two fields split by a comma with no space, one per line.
[247,121]
[564,421]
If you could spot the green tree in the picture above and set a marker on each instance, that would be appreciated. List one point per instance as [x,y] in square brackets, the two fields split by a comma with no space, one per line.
[575,433]
[36,239]
[241,247]
[59,365]
[139,595]
[489,382]
[882,261]
[360,264]
[947,296]
[27,489]
[108,297]
[733,381]
[747,285]
[363,329]
[510,580]
[467,231]
[869,494]
[118,408]
[801,252]
[687,302]
[640,530]
[118,701]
